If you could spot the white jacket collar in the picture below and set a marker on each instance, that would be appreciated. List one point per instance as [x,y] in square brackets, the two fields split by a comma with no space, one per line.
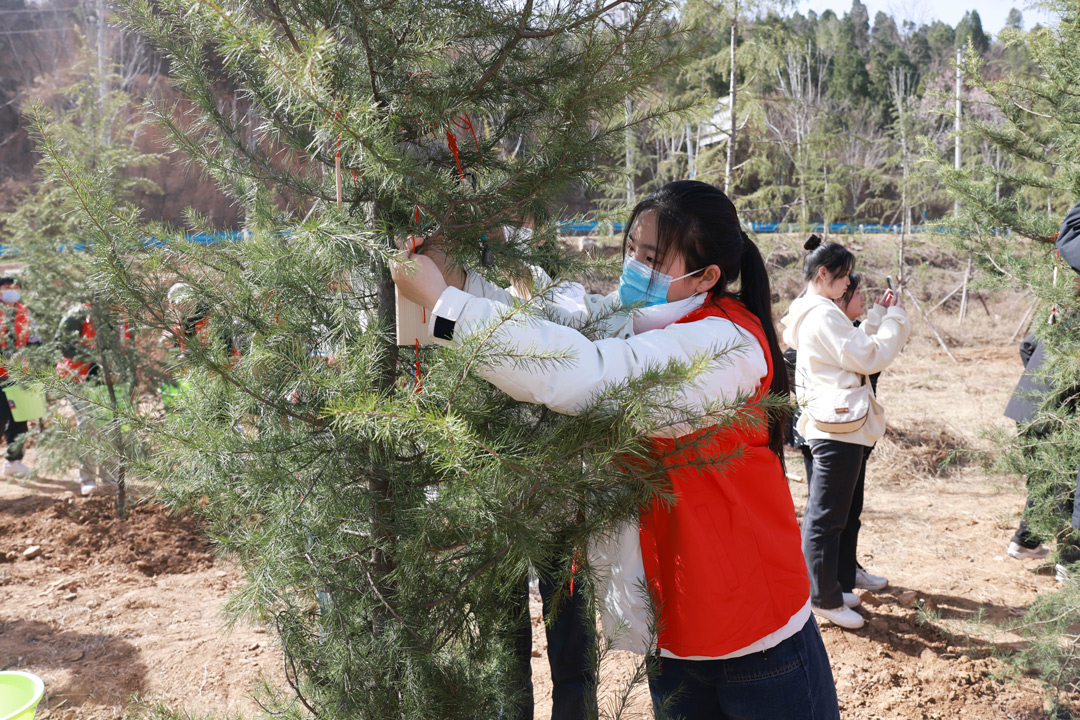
[660,316]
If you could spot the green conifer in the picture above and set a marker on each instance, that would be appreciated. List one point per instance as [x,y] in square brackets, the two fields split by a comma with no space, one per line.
[1007,228]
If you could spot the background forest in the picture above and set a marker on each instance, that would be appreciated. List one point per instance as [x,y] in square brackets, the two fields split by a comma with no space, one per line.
[828,114]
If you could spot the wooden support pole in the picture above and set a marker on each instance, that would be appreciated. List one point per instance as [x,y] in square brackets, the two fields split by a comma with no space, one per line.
[963,294]
[911,296]
[337,178]
[945,299]
[1023,322]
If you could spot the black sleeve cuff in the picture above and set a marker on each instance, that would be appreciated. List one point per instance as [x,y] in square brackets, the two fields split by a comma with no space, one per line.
[444,329]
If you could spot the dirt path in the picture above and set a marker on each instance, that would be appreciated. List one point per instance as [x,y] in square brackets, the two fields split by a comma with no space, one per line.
[112,608]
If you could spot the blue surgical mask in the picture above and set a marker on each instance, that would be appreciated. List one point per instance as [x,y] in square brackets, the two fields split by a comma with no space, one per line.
[642,286]
[10,296]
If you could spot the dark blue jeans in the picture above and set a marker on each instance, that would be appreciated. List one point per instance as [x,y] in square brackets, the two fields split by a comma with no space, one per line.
[791,681]
[571,636]
[830,524]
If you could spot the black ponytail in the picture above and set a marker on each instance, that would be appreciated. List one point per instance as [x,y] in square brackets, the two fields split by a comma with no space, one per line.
[756,294]
[699,222]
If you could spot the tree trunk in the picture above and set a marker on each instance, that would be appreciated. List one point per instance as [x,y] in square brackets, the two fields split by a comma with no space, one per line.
[956,158]
[691,168]
[103,67]
[963,293]
[104,361]
[997,174]
[729,166]
[379,484]
[825,196]
[905,217]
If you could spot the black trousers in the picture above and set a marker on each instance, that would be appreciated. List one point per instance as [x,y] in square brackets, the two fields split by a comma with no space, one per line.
[571,635]
[14,432]
[831,523]
[849,542]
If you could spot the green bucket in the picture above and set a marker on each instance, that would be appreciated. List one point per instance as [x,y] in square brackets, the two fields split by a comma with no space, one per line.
[27,403]
[20,693]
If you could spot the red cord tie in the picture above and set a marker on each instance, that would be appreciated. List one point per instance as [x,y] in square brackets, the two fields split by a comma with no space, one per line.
[574,567]
[419,385]
[464,122]
[452,142]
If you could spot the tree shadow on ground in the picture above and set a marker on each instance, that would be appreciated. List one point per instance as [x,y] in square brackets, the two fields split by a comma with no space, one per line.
[41,648]
[935,621]
[27,505]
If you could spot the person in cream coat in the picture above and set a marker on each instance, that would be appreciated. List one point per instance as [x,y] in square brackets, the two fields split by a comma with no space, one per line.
[834,360]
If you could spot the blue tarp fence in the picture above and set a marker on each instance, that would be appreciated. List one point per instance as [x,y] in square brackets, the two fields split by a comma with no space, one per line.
[601,228]
[586,228]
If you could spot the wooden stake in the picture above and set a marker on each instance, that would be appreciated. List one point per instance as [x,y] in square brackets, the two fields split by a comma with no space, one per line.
[933,329]
[337,178]
[963,295]
[945,299]
[1023,322]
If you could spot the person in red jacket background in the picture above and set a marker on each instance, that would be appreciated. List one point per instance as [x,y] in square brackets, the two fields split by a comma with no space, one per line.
[15,334]
[78,365]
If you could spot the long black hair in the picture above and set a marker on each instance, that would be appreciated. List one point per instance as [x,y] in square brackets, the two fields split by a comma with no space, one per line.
[699,222]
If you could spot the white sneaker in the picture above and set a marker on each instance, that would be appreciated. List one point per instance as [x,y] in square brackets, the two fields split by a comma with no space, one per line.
[15,468]
[866,581]
[1020,552]
[852,600]
[844,617]
[1061,573]
[89,487]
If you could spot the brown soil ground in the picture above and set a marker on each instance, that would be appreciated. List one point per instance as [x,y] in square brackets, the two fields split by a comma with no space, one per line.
[111,609]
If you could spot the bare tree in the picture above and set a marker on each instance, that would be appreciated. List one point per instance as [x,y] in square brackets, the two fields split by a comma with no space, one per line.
[795,112]
[902,82]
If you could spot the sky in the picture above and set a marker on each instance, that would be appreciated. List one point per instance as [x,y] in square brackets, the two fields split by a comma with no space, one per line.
[992,12]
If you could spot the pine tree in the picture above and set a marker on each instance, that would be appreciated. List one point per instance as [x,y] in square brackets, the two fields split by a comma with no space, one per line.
[970,30]
[384,501]
[96,128]
[1010,237]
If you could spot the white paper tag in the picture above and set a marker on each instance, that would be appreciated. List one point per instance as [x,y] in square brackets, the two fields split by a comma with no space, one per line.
[411,322]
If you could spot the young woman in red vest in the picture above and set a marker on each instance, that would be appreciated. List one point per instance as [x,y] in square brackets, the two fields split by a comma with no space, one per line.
[737,638]
[15,334]
[78,365]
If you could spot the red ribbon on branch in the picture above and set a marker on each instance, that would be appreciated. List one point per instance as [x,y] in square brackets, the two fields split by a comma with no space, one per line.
[464,122]
[452,142]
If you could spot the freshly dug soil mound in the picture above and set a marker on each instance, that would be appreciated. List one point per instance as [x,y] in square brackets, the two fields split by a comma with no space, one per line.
[73,534]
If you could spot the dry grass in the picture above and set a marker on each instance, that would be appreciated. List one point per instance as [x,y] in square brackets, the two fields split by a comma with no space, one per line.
[921,449]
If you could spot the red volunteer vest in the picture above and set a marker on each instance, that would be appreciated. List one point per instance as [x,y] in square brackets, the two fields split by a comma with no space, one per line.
[22,331]
[724,563]
[76,370]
